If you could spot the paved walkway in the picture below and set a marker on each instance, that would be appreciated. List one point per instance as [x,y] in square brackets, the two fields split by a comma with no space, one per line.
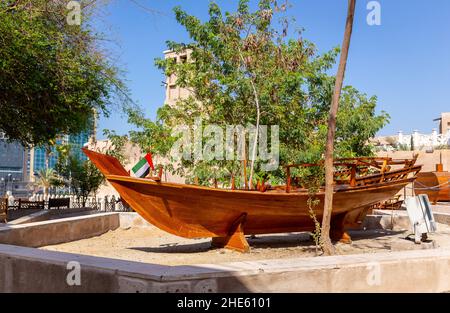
[442,207]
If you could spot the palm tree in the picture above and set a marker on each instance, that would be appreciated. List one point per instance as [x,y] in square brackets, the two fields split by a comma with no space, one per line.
[327,246]
[48,151]
[47,178]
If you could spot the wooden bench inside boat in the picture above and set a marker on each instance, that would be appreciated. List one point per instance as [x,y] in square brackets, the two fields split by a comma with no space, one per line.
[355,172]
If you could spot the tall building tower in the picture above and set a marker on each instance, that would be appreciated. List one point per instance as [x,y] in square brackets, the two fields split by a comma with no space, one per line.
[445,123]
[174,92]
[77,142]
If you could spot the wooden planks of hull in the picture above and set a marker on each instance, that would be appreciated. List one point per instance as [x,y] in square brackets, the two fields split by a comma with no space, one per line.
[208,213]
[192,211]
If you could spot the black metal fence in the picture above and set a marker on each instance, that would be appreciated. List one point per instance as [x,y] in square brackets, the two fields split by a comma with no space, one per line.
[106,204]
[117,205]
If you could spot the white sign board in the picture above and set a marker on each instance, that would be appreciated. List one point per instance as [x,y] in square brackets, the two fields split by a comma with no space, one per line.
[420,216]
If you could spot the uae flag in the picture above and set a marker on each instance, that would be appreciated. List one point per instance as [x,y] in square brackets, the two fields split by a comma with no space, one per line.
[142,168]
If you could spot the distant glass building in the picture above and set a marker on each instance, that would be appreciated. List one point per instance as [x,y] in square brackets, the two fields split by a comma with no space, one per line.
[40,157]
[76,142]
[20,166]
[12,156]
[14,168]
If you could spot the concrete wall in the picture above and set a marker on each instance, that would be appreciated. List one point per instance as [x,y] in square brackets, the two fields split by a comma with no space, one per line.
[132,219]
[33,270]
[428,160]
[398,220]
[38,216]
[45,215]
[58,231]
[443,218]
[386,220]
[25,269]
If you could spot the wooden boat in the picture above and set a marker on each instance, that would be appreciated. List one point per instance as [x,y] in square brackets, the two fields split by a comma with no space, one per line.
[226,215]
[434,184]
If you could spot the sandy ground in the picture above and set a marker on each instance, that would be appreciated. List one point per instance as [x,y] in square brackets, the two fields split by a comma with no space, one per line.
[151,245]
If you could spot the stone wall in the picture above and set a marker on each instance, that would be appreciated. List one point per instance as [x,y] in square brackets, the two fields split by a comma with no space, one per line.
[428,160]
[33,270]
[24,269]
[57,231]
[132,219]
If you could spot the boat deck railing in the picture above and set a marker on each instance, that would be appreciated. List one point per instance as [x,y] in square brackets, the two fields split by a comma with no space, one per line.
[362,171]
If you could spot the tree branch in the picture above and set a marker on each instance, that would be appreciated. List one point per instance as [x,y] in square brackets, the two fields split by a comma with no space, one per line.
[258,115]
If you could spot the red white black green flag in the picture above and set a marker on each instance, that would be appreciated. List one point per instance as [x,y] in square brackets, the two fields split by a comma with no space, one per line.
[142,168]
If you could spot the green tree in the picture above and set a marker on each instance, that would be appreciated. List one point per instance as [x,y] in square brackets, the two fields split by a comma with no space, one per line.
[245,68]
[53,76]
[82,177]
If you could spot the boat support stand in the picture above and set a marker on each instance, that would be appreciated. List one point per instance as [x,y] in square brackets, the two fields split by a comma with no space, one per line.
[235,239]
[338,232]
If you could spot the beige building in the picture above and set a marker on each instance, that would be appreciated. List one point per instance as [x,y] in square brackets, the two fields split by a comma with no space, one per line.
[133,155]
[174,92]
[133,152]
[428,160]
[444,122]
[429,147]
[418,141]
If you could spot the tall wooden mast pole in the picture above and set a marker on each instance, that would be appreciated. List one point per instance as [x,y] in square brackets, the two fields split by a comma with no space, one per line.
[328,247]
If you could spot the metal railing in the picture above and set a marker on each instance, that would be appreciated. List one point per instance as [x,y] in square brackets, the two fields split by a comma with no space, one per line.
[105,204]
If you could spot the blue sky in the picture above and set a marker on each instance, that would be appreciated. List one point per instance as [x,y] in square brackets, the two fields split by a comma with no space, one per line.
[405,61]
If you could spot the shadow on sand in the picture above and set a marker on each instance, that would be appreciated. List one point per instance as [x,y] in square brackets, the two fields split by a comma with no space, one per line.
[303,241]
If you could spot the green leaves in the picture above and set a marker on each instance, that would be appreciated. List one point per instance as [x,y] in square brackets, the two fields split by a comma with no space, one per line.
[83,177]
[47,178]
[357,122]
[232,51]
[52,76]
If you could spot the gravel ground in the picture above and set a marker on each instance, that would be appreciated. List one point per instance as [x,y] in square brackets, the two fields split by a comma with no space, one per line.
[442,207]
[151,245]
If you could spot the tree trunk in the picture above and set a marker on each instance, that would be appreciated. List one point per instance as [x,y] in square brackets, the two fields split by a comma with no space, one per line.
[328,247]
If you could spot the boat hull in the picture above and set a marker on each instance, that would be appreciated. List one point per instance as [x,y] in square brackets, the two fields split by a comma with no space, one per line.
[193,211]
